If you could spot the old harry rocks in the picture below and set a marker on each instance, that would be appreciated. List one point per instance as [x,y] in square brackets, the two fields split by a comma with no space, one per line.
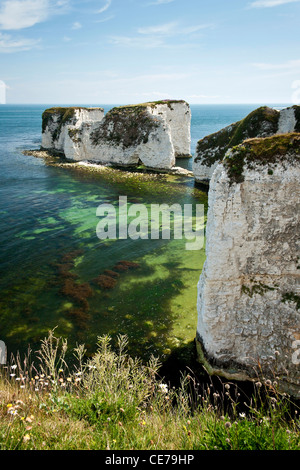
[152,134]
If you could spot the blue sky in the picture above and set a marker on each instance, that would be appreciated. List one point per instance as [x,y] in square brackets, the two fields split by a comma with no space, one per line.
[130,51]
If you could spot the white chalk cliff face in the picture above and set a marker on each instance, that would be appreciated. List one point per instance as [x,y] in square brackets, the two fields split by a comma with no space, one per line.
[177,115]
[153,134]
[249,290]
[61,123]
[263,122]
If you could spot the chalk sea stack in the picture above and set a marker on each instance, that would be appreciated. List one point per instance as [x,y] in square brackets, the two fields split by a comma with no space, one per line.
[249,289]
[152,134]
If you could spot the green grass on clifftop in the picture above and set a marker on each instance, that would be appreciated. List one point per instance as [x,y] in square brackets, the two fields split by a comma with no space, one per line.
[114,402]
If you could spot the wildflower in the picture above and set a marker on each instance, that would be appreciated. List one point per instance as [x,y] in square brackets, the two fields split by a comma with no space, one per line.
[14,366]
[242,415]
[227,386]
[26,438]
[227,425]
[9,405]
[268,383]
[258,384]
[163,388]
[69,379]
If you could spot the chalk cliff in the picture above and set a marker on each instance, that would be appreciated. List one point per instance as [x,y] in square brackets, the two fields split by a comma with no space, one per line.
[262,122]
[153,134]
[63,126]
[249,290]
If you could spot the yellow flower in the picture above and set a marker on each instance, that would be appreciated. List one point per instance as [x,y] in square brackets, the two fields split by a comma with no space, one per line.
[26,438]
[9,405]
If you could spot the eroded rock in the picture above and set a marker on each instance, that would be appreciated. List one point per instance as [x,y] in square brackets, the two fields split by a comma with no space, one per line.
[249,290]
[152,134]
[263,122]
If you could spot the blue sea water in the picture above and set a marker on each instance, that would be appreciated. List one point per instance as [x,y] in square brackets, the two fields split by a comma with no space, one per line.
[48,212]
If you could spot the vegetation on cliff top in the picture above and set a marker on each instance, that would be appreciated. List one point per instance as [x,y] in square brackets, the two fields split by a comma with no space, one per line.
[153,104]
[261,122]
[266,151]
[63,116]
[126,126]
[114,402]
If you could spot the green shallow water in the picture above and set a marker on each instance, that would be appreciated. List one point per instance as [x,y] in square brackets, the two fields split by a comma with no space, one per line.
[60,256]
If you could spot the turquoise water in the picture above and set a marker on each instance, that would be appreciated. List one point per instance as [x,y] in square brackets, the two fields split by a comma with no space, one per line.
[51,258]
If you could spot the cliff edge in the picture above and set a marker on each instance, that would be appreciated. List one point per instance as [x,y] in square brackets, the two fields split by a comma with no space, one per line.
[249,290]
[262,122]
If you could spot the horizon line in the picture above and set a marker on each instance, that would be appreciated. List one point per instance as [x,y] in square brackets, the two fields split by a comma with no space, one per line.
[121,104]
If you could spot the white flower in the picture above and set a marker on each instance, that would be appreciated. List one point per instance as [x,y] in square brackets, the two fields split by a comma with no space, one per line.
[14,366]
[163,388]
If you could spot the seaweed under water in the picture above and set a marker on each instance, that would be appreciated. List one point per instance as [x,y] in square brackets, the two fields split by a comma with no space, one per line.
[68,279]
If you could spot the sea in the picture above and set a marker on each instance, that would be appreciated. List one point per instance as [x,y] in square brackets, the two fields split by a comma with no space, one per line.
[56,274]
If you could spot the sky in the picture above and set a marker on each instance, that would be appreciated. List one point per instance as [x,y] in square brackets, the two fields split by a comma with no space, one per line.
[131,51]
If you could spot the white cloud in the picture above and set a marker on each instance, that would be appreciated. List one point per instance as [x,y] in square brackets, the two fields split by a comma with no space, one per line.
[9,45]
[161,2]
[144,42]
[76,25]
[172,29]
[20,14]
[290,65]
[270,3]
[105,6]
[164,29]
[103,20]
